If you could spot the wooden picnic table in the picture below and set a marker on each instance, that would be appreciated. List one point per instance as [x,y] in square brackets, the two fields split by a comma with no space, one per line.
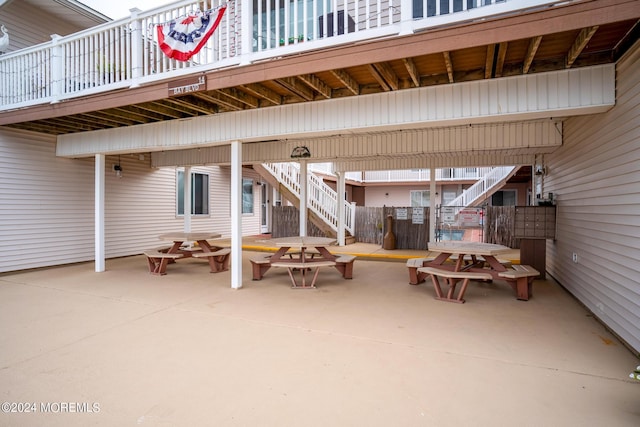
[477,257]
[217,257]
[303,260]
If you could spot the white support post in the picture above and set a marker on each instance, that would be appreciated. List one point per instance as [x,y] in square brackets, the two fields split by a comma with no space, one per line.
[341,199]
[303,198]
[99,213]
[432,205]
[236,214]
[186,183]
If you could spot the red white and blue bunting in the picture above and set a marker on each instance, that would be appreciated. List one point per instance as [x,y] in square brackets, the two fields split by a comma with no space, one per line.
[183,37]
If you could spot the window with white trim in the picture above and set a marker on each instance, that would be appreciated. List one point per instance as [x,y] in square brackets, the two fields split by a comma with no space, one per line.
[199,193]
[247,196]
[419,198]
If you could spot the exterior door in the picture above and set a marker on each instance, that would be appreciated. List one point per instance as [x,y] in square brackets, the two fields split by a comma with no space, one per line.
[264,208]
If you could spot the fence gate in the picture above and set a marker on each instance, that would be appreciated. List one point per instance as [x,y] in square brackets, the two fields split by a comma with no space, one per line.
[460,223]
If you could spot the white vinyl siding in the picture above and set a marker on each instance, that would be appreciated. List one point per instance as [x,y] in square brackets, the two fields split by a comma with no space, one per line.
[29,25]
[595,178]
[47,204]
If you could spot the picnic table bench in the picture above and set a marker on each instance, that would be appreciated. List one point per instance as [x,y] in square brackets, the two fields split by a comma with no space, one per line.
[452,278]
[262,263]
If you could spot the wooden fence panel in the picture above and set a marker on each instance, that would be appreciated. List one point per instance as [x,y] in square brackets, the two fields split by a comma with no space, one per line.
[499,226]
[411,231]
[369,224]
[286,222]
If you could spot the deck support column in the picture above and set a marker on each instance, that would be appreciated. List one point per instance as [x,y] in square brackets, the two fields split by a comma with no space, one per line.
[99,213]
[236,214]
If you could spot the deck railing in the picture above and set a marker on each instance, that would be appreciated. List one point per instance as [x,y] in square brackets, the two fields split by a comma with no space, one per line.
[125,53]
[407,175]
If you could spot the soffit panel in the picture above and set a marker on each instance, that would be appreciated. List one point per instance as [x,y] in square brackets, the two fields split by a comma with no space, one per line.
[546,95]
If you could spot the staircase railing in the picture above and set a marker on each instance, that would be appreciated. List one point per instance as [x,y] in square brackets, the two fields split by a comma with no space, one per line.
[495,177]
[321,199]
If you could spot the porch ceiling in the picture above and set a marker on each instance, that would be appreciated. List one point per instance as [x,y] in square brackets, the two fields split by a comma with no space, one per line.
[576,35]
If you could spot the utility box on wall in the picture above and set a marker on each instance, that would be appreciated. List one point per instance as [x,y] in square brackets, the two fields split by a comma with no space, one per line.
[533,225]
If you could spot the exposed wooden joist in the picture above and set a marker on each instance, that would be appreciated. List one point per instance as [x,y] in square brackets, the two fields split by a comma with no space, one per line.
[296,88]
[111,116]
[240,96]
[534,44]
[186,108]
[449,65]
[220,99]
[488,62]
[158,107]
[315,83]
[191,103]
[152,115]
[579,44]
[387,73]
[259,91]
[345,78]
[502,53]
[412,70]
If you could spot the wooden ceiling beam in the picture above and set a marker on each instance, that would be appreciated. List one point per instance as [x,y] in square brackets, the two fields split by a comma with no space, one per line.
[412,70]
[449,65]
[242,97]
[181,109]
[261,92]
[534,44]
[220,99]
[488,62]
[194,104]
[387,73]
[349,82]
[296,88]
[159,107]
[316,84]
[502,53]
[579,44]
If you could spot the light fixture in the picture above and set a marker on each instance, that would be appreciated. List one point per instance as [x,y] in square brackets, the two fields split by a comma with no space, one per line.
[540,170]
[118,169]
[300,152]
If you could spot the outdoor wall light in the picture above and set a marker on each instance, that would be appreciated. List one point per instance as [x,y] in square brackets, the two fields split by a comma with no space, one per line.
[300,152]
[118,170]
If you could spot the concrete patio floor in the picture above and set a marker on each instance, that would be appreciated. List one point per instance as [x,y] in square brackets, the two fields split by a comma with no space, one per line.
[124,348]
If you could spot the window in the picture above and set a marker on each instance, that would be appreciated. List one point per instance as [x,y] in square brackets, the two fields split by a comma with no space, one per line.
[448,196]
[419,198]
[269,18]
[247,196]
[199,193]
[504,198]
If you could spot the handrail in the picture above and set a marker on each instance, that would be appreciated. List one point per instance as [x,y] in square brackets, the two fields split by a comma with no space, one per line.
[469,196]
[321,199]
[124,53]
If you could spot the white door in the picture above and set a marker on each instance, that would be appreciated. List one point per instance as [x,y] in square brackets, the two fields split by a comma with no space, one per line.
[264,208]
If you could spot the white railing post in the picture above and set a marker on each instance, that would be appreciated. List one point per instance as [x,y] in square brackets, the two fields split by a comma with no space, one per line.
[406,17]
[341,188]
[136,48]
[57,69]
[246,32]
